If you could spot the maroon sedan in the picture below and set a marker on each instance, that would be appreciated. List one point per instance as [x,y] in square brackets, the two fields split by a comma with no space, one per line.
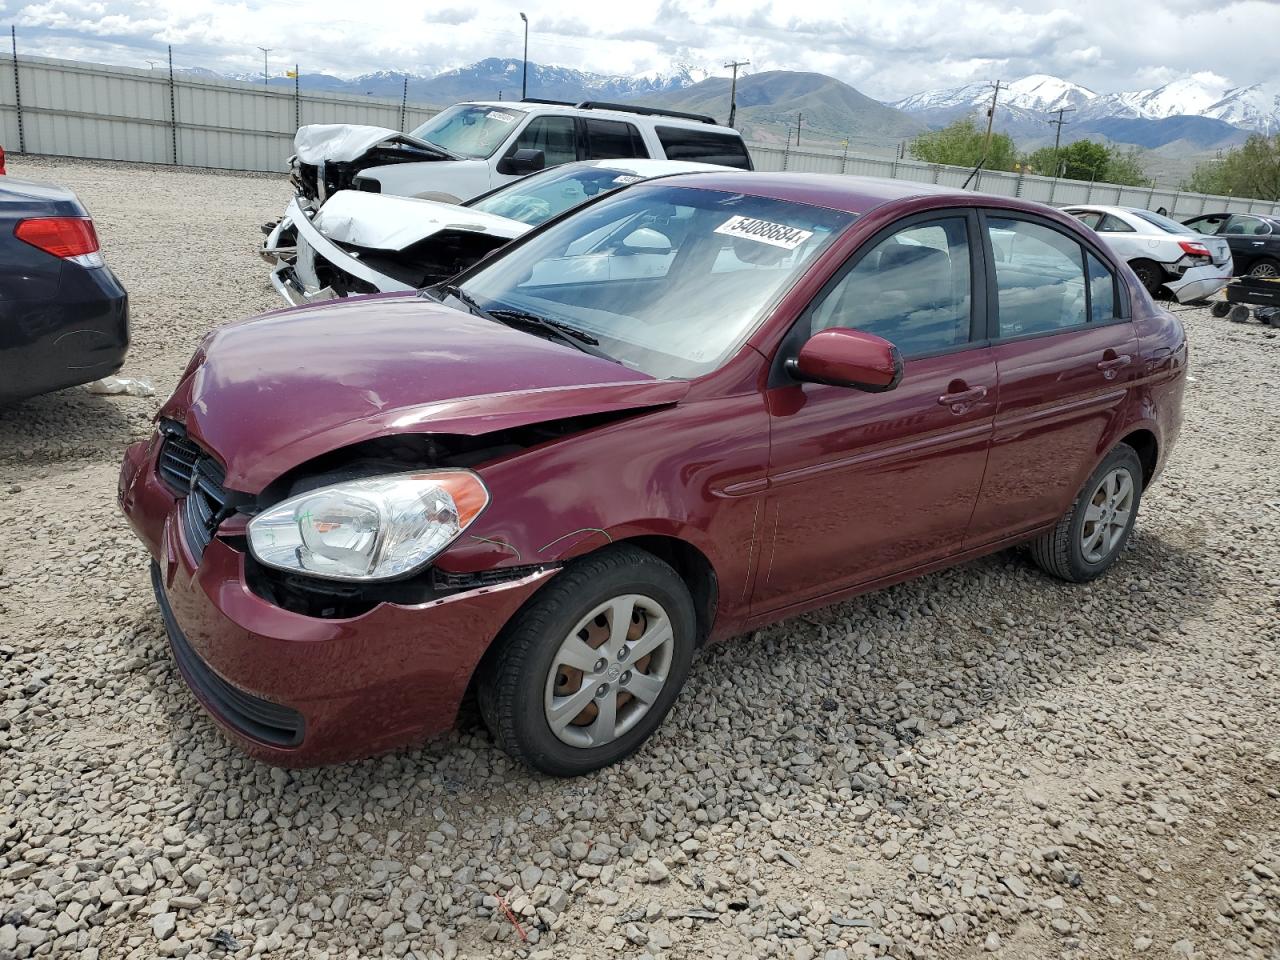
[692,407]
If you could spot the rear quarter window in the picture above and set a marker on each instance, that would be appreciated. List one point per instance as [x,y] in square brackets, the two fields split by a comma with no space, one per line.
[704,146]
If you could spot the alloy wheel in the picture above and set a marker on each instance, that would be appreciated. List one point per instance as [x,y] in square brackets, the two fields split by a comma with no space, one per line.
[609,671]
[1107,515]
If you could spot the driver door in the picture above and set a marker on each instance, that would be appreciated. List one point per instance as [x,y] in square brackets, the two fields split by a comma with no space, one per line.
[863,486]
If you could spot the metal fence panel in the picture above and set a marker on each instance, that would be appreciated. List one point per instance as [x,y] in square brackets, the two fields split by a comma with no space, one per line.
[79,109]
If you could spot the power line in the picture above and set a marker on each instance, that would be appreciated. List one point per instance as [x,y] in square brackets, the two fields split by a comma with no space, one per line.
[265,51]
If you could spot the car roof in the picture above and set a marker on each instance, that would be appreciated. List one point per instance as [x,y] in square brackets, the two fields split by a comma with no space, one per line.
[850,194]
[659,119]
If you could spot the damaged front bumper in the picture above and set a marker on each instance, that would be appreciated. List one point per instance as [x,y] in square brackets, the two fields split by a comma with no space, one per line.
[307,264]
[1200,283]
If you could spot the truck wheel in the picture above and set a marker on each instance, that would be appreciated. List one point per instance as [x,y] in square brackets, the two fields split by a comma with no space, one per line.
[1239,313]
[1219,308]
[1150,275]
[589,668]
[1091,534]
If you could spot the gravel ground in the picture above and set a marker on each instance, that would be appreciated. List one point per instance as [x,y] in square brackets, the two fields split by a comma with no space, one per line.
[984,762]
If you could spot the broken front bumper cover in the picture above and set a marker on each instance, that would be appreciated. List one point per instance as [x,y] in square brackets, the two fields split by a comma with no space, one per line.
[295,246]
[1200,283]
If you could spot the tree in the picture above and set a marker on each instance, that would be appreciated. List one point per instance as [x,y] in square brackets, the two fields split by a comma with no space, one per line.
[961,143]
[1087,160]
[1252,170]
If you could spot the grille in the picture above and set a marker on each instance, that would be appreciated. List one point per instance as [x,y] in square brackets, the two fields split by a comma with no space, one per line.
[197,479]
[260,719]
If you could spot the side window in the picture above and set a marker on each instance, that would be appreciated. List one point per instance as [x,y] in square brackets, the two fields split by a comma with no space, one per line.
[912,289]
[706,146]
[1090,218]
[613,140]
[1247,226]
[1039,277]
[1206,225]
[554,136]
[1102,291]
[1111,224]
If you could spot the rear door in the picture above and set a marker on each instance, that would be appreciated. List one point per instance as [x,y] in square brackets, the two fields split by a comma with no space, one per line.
[1066,354]
[1250,238]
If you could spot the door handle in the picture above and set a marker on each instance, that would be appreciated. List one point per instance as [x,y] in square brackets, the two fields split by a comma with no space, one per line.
[1259,243]
[961,400]
[1109,365]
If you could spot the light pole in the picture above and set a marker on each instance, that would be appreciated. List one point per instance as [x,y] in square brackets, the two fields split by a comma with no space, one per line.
[265,51]
[733,88]
[524,79]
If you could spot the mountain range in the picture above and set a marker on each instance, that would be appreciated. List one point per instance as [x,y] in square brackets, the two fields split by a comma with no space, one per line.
[1192,114]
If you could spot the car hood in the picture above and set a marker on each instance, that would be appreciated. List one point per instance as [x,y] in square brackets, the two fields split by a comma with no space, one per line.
[350,141]
[386,222]
[274,392]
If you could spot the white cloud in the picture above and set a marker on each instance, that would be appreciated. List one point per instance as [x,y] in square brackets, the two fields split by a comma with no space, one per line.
[886,49]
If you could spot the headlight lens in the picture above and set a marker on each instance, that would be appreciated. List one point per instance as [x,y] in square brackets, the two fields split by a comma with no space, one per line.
[374,529]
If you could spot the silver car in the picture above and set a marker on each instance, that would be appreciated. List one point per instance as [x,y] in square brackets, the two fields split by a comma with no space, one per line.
[1162,252]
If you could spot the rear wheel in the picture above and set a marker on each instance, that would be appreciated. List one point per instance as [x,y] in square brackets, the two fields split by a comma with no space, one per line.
[1239,313]
[1265,268]
[1220,308]
[1090,535]
[588,670]
[1150,275]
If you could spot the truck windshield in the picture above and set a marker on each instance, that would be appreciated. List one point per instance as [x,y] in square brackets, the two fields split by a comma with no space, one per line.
[469,130]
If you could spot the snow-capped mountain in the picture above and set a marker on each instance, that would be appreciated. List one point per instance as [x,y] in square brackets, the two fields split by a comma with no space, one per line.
[1029,100]
[1036,92]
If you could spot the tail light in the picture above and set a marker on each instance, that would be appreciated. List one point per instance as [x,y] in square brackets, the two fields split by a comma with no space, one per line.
[71,238]
[1,161]
[1194,249]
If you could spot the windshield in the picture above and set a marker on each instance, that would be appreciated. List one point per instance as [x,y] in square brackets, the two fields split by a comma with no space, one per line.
[669,280]
[542,196]
[469,130]
[1163,222]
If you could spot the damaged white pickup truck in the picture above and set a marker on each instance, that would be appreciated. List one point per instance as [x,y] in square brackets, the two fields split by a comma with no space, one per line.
[362,243]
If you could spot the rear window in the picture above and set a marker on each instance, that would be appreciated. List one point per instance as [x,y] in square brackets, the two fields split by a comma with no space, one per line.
[1164,223]
[704,146]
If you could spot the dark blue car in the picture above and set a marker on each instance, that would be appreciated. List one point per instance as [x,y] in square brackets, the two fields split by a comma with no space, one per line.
[64,317]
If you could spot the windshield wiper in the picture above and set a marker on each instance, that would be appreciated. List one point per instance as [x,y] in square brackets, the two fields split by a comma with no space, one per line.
[561,331]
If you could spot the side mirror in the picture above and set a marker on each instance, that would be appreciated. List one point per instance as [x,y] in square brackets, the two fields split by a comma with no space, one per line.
[646,240]
[522,163]
[842,357]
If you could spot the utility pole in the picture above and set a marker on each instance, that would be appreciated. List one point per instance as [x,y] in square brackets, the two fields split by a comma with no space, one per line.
[799,118]
[991,117]
[1057,137]
[733,88]
[524,79]
[986,144]
[265,51]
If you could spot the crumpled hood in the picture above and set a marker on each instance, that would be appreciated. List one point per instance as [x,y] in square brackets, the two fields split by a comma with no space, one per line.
[386,222]
[349,141]
[281,389]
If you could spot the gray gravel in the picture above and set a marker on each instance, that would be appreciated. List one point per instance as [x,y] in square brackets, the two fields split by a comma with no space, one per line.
[981,763]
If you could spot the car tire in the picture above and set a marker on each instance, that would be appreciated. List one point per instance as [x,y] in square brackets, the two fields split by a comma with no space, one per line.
[1149,273]
[1087,540]
[525,685]
[1219,308]
[1265,267]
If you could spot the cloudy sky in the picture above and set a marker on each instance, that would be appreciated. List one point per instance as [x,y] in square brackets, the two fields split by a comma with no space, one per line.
[886,49]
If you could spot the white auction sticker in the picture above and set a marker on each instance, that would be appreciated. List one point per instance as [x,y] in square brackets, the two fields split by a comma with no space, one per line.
[625,178]
[499,115]
[764,231]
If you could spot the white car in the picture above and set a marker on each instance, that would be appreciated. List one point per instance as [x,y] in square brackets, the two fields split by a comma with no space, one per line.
[471,148]
[360,243]
[1161,251]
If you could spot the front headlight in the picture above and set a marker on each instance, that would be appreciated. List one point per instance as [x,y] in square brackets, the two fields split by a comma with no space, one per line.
[375,529]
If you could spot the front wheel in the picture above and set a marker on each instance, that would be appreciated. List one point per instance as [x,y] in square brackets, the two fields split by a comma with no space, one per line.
[588,670]
[1089,537]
